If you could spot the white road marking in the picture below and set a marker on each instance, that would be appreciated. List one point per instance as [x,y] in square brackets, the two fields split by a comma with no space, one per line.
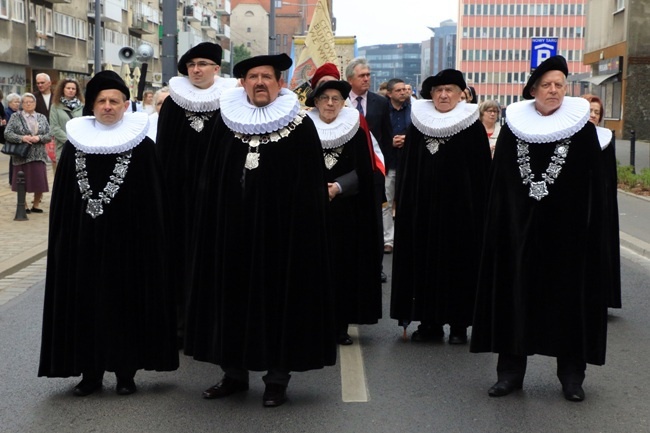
[354,388]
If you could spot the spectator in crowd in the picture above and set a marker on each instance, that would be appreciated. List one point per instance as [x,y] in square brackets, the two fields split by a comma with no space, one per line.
[68,104]
[158,99]
[544,274]
[399,107]
[13,106]
[28,126]
[148,105]
[489,114]
[375,110]
[108,301]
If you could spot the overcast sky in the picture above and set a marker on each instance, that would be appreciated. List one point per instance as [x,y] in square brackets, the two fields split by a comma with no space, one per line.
[402,21]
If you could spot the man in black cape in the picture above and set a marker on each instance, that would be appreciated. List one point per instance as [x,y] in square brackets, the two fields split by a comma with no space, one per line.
[441,191]
[544,277]
[185,124]
[262,298]
[108,302]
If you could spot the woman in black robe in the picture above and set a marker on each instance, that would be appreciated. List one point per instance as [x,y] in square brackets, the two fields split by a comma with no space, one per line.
[352,204]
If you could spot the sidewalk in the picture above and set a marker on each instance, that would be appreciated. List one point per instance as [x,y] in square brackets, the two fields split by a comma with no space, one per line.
[21,242]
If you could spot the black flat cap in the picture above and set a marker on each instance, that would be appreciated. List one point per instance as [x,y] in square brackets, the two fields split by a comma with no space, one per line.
[446,76]
[281,62]
[204,50]
[342,86]
[555,63]
[103,80]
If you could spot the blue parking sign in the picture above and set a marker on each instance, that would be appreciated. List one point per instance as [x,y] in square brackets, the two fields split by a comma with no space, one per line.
[541,49]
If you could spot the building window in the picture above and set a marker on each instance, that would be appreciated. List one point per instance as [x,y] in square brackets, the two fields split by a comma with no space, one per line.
[4,9]
[248,29]
[620,5]
[248,44]
[19,11]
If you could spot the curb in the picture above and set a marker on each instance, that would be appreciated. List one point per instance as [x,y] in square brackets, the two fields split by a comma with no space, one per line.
[23,259]
[635,245]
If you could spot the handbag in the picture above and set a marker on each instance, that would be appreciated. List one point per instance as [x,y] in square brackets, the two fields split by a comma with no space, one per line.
[15,149]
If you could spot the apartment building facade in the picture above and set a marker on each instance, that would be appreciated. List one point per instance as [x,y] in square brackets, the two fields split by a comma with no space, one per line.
[494,43]
[58,36]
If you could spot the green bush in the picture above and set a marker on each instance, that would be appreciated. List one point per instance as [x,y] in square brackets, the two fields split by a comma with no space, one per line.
[626,176]
[644,178]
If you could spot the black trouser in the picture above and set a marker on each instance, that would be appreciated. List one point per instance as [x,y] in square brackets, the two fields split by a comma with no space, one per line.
[513,367]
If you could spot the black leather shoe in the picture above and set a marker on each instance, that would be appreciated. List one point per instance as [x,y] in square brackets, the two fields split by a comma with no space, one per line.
[428,334]
[274,395]
[345,339]
[384,277]
[37,210]
[504,387]
[28,211]
[573,392]
[125,386]
[226,387]
[87,387]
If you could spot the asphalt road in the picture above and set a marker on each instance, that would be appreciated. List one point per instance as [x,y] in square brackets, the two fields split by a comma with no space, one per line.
[411,387]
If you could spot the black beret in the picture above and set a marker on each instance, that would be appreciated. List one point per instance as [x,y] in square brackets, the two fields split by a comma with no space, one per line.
[204,50]
[103,80]
[446,76]
[554,63]
[342,86]
[281,62]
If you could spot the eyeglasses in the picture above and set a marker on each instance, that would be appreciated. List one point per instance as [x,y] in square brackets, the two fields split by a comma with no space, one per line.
[335,99]
[201,65]
[492,111]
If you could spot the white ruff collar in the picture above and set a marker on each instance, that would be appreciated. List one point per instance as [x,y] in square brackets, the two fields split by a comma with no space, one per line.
[433,123]
[340,131]
[604,137]
[526,123]
[243,117]
[191,98]
[90,136]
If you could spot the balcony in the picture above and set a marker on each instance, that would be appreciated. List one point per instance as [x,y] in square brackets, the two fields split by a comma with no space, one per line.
[58,1]
[111,10]
[193,13]
[141,26]
[221,6]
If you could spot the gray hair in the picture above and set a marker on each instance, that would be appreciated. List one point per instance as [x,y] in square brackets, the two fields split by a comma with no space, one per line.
[349,70]
[160,91]
[12,97]
[28,95]
[44,75]
[486,105]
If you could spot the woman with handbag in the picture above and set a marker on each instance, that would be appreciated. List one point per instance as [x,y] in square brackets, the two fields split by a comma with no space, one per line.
[32,129]
[68,103]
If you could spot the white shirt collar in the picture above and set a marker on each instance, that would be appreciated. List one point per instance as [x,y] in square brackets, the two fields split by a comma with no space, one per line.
[194,99]
[339,131]
[245,118]
[433,123]
[90,136]
[526,123]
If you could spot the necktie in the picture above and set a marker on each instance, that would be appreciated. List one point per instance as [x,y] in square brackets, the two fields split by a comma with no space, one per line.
[359,106]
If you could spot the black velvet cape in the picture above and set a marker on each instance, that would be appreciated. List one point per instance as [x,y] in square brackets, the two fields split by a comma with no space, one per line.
[355,231]
[108,304]
[438,227]
[610,176]
[182,151]
[262,296]
[543,280]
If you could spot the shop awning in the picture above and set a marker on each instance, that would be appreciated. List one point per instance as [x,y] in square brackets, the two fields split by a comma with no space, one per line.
[599,79]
